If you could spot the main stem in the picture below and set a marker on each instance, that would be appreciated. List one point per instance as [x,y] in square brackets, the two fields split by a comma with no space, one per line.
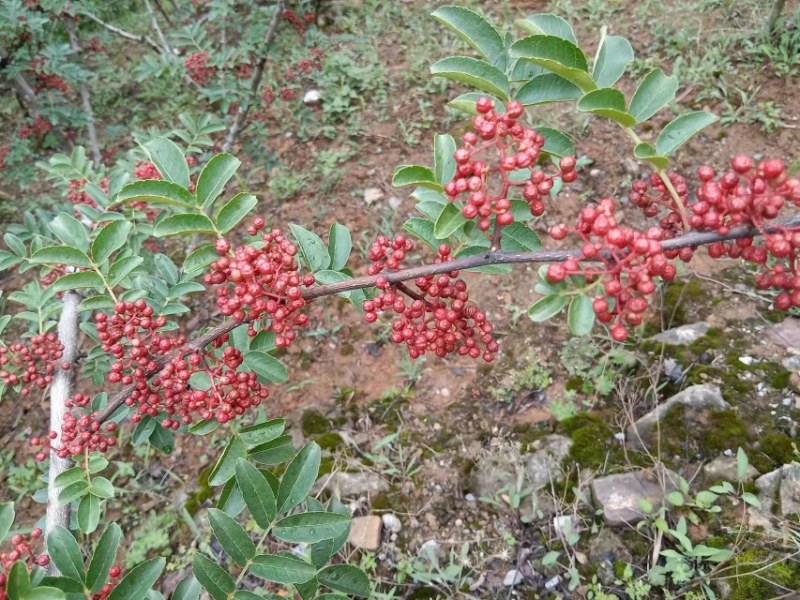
[60,392]
[689,240]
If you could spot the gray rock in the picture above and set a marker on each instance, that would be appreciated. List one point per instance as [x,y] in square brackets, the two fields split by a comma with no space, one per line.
[781,485]
[312,97]
[767,486]
[512,578]
[620,496]
[351,485]
[365,532]
[372,195]
[392,523]
[789,493]
[724,468]
[697,399]
[544,463]
[683,335]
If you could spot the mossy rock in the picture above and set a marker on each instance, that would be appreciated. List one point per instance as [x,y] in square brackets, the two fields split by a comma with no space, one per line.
[774,578]
[693,434]
[774,450]
[314,422]
[682,295]
[591,441]
[329,440]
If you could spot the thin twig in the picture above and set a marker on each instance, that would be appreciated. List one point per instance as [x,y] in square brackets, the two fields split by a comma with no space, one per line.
[60,392]
[86,100]
[244,108]
[143,39]
[689,240]
[160,34]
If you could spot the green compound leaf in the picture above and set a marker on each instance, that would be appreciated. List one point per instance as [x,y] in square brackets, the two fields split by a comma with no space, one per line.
[139,580]
[518,237]
[313,249]
[311,527]
[188,589]
[103,558]
[89,513]
[45,593]
[348,579]
[580,316]
[613,57]
[677,132]
[299,477]
[183,225]
[475,30]
[216,580]
[608,103]
[169,161]
[422,229]
[546,307]
[199,259]
[121,268]
[265,366]
[547,87]
[444,147]
[234,210]
[262,432]
[6,519]
[53,255]
[548,24]
[65,553]
[556,142]
[449,221]
[655,91]
[277,451]
[647,152]
[340,245]
[74,281]
[157,193]
[231,536]
[19,581]
[70,231]
[466,102]
[110,239]
[558,55]
[415,175]
[282,569]
[226,465]
[257,493]
[214,176]
[474,72]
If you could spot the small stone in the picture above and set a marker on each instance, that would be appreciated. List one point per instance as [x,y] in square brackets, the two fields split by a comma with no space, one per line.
[437,427]
[445,392]
[429,549]
[471,498]
[787,401]
[595,172]
[619,436]
[683,335]
[725,468]
[395,202]
[372,195]
[312,97]
[512,578]
[727,453]
[351,485]
[392,523]
[562,524]
[747,360]
[552,582]
[621,496]
[365,532]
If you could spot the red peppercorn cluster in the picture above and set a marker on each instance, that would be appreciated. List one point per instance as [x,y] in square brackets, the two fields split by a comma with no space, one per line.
[146,170]
[258,283]
[39,128]
[22,549]
[653,195]
[750,194]
[81,432]
[30,364]
[46,80]
[512,147]
[299,23]
[197,66]
[229,395]
[437,318]
[629,263]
